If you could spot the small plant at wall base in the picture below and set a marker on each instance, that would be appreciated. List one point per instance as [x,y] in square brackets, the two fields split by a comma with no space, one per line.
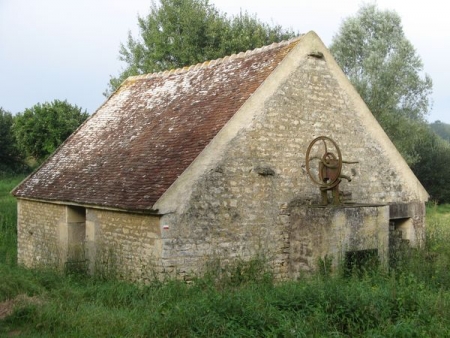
[325,266]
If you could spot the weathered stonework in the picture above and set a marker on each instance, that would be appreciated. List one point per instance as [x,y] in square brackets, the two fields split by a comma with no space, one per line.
[237,210]
[123,244]
[332,232]
[107,242]
[240,192]
[408,220]
[37,233]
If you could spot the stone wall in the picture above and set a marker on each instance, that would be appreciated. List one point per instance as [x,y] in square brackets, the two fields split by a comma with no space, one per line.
[409,220]
[239,208]
[37,233]
[321,233]
[123,244]
[126,245]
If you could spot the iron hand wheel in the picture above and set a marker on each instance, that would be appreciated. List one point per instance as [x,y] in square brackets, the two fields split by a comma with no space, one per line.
[324,162]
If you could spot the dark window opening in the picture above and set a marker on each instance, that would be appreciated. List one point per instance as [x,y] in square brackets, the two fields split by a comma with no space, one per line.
[361,262]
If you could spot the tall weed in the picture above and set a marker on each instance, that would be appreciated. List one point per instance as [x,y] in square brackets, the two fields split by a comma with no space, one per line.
[431,263]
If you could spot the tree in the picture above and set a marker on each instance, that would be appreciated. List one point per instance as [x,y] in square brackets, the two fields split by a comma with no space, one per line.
[442,129]
[383,66]
[432,169]
[180,33]
[10,157]
[40,129]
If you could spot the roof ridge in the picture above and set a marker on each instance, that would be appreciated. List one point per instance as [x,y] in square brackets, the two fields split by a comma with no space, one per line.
[210,63]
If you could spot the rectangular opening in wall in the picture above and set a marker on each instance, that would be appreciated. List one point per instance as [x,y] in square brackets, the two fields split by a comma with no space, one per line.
[402,228]
[401,235]
[361,262]
[76,235]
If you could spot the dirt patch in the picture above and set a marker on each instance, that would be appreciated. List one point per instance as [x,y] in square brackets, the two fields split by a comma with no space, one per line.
[7,307]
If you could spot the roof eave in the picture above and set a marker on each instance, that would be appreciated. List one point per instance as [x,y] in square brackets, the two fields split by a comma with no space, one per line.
[150,211]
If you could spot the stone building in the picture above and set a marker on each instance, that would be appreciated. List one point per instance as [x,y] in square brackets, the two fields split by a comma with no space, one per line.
[208,162]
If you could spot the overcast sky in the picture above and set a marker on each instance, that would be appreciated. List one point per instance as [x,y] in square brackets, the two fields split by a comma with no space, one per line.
[67,49]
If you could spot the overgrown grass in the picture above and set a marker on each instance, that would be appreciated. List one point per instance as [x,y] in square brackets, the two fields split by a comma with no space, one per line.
[8,220]
[376,306]
[243,301]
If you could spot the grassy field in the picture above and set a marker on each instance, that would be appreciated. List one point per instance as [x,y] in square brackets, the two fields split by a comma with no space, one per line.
[8,218]
[412,301]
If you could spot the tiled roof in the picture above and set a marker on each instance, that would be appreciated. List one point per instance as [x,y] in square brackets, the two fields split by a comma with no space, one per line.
[147,133]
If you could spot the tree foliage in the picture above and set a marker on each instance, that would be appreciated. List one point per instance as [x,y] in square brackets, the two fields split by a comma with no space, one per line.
[40,129]
[10,157]
[382,64]
[433,167]
[442,129]
[178,33]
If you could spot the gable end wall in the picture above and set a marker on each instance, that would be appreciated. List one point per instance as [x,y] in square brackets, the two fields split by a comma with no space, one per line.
[240,207]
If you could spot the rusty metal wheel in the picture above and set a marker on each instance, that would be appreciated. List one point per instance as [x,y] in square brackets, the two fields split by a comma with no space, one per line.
[323,157]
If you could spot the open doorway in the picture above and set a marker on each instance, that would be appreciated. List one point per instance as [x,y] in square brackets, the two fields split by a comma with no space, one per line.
[76,236]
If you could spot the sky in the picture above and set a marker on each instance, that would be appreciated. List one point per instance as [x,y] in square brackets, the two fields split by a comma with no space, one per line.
[68,49]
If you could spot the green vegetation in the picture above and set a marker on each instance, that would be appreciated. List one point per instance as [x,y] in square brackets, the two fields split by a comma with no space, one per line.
[433,167]
[442,129]
[28,138]
[11,160]
[40,129]
[383,66]
[243,301]
[8,221]
[178,33]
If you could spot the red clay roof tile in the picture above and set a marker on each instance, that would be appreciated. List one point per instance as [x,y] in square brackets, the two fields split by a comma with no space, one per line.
[148,132]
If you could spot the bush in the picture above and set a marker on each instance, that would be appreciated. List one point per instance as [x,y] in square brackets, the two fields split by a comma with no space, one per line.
[41,129]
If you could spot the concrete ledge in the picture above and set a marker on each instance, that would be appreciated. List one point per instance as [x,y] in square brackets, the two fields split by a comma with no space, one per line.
[406,210]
